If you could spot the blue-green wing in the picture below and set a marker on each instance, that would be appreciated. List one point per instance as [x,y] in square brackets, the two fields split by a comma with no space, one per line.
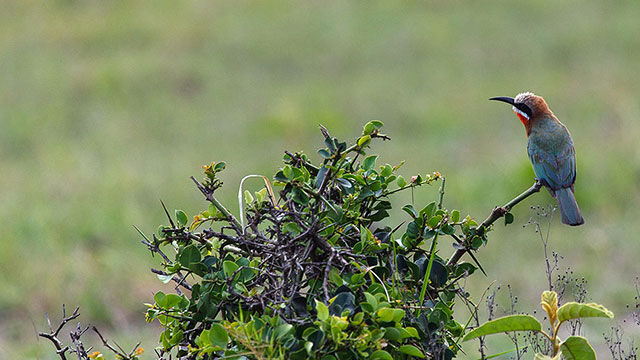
[557,168]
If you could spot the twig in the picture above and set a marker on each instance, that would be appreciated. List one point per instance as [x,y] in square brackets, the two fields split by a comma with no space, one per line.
[119,351]
[75,338]
[209,195]
[441,193]
[180,280]
[61,349]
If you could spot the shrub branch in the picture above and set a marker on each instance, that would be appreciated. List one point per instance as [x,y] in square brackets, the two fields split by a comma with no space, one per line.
[496,214]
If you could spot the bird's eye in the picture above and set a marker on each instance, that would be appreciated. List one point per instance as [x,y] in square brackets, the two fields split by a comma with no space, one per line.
[524,108]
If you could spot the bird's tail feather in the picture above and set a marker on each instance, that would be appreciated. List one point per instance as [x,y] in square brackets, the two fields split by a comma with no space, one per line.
[569,207]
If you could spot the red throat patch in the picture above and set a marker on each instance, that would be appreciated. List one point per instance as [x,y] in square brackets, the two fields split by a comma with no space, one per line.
[523,119]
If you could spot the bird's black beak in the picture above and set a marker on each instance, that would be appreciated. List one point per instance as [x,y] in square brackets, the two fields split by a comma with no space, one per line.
[508,100]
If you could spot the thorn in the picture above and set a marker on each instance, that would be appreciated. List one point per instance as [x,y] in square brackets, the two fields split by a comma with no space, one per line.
[324,131]
[167,212]
[477,263]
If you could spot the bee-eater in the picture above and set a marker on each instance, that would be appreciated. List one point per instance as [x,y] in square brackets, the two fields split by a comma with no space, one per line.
[551,151]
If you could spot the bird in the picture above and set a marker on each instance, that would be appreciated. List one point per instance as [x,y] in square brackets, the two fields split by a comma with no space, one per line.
[551,151]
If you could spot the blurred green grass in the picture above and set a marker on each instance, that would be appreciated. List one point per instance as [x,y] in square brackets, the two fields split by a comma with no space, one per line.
[107,107]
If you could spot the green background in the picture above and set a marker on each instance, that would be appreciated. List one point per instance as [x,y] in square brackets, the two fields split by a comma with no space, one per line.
[108,106]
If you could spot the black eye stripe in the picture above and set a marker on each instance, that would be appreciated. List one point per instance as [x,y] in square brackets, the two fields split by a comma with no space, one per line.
[524,108]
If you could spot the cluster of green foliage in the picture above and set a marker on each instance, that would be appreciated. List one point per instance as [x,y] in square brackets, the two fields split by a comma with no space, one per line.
[316,271]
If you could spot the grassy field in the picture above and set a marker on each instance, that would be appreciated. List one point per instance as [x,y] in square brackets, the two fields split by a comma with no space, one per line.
[108,106]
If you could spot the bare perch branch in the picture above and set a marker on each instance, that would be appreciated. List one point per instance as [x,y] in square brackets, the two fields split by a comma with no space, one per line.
[496,214]
[499,212]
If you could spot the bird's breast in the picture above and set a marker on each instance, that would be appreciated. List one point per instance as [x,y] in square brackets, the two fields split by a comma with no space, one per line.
[549,135]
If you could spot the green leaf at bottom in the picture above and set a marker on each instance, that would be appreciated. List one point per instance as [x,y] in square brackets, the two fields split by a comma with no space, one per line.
[577,348]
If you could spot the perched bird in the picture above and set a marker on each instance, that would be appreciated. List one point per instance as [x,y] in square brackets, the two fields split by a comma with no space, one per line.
[551,151]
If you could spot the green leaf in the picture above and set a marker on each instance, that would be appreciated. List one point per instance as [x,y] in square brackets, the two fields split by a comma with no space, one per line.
[345,184]
[364,141]
[464,268]
[412,332]
[371,126]
[164,338]
[159,298]
[292,227]
[322,172]
[372,301]
[455,216]
[299,196]
[377,123]
[181,217]
[365,234]
[411,350]
[165,278]
[574,310]
[429,209]
[369,162]
[218,335]
[229,267]
[413,230]
[334,276]
[287,172]
[508,218]
[357,318]
[388,314]
[505,324]
[308,346]
[248,198]
[282,330]
[577,348]
[172,300]
[380,355]
[260,195]
[220,166]
[189,255]
[385,314]
[476,242]
[386,170]
[323,311]
[434,221]
[410,210]
[176,338]
[368,129]
[401,182]
[324,153]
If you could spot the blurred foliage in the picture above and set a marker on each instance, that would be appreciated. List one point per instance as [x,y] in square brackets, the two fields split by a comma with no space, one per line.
[105,106]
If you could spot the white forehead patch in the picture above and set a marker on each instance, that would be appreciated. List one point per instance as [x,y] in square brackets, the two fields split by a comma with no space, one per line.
[523,95]
[515,109]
